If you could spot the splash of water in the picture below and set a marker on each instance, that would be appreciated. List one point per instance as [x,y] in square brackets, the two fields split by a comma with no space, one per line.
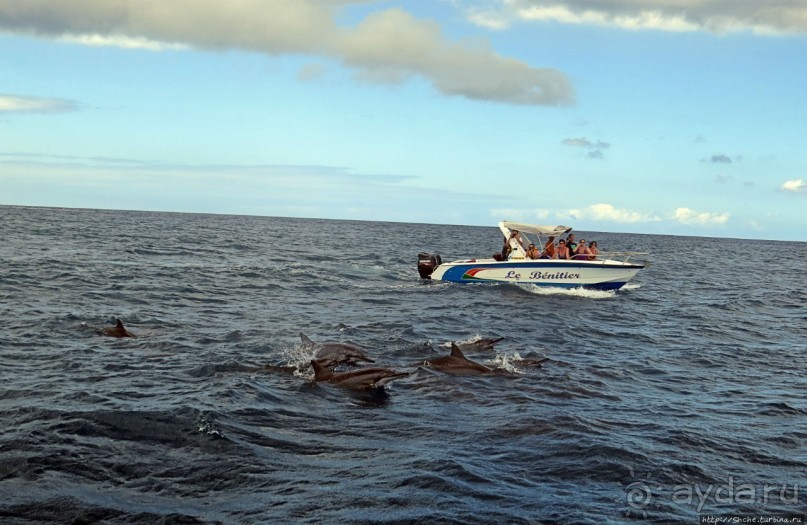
[571,292]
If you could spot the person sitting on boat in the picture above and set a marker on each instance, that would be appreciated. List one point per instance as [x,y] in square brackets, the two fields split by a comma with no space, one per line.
[532,252]
[582,252]
[506,249]
[593,251]
[562,251]
[513,243]
[549,249]
[571,244]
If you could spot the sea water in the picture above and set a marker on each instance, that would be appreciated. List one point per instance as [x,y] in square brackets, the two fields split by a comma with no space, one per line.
[682,395]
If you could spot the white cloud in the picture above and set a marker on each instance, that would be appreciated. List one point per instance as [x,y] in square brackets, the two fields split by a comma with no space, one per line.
[794,186]
[719,16]
[691,217]
[489,18]
[386,46]
[608,213]
[595,212]
[570,14]
[17,104]
[120,41]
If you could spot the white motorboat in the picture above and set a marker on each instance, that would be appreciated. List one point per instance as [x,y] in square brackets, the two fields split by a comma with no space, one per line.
[606,271]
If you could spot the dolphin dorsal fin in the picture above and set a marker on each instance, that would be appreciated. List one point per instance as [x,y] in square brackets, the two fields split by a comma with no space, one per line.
[456,352]
[119,324]
[306,341]
[320,372]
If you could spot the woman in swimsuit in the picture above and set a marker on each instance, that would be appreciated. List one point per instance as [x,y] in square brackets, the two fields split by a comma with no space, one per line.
[582,253]
[562,251]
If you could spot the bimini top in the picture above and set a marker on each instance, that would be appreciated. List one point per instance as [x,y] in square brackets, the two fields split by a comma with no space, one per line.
[533,228]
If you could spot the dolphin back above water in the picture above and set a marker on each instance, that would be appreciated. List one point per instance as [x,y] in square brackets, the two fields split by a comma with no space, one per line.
[331,355]
[112,331]
[535,362]
[118,330]
[361,379]
[456,363]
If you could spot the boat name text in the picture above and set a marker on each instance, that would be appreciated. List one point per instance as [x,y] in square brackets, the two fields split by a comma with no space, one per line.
[512,274]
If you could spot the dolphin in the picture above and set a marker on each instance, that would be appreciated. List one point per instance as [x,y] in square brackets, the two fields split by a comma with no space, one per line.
[531,361]
[331,355]
[116,331]
[360,379]
[483,345]
[456,363]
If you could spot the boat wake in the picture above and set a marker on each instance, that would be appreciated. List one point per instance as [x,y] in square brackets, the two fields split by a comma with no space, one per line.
[574,292]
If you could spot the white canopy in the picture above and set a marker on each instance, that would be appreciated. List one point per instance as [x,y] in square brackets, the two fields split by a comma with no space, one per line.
[507,226]
[518,243]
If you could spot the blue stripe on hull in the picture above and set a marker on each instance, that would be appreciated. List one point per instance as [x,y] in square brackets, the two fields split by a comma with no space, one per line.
[598,286]
[465,273]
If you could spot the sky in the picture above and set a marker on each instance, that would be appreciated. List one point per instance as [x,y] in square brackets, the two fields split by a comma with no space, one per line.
[679,117]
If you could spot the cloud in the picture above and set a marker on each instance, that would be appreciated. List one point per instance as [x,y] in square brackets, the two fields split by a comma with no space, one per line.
[717,16]
[794,186]
[120,41]
[596,212]
[311,72]
[332,192]
[487,16]
[721,159]
[691,217]
[19,104]
[608,213]
[585,143]
[595,148]
[387,46]
[293,175]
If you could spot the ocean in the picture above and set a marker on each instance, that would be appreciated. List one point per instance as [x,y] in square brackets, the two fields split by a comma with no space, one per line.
[682,395]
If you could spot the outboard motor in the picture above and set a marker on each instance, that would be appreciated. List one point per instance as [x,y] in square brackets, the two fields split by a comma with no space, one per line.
[427,262]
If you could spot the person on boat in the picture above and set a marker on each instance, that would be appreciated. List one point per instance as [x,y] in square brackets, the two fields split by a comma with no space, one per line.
[571,244]
[511,243]
[506,249]
[582,251]
[562,251]
[532,252]
[549,248]
[593,251]
[515,234]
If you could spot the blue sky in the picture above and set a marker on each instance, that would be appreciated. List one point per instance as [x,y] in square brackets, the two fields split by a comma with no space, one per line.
[664,116]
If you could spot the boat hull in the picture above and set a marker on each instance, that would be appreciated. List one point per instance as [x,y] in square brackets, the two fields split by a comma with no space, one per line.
[599,275]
